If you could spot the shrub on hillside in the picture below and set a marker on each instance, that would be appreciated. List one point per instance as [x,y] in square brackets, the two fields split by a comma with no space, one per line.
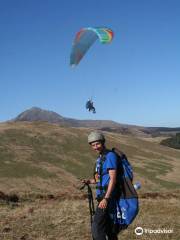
[173,142]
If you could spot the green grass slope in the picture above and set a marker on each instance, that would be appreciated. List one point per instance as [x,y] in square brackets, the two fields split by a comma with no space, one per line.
[39,156]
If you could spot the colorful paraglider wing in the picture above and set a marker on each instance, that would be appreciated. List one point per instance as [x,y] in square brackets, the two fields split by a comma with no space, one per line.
[84,40]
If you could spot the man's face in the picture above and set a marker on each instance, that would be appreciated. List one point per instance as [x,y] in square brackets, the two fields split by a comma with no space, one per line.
[97,146]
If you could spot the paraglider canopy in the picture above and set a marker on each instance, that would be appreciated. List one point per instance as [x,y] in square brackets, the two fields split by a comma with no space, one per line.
[84,40]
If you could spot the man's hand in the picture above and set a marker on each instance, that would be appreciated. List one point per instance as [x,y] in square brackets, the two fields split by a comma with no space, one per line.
[103,204]
[86,181]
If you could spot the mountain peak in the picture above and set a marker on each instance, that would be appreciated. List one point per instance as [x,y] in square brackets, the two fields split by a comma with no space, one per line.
[38,114]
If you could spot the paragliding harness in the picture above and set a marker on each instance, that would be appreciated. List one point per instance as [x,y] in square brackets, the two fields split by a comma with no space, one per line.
[125,205]
[90,107]
[90,200]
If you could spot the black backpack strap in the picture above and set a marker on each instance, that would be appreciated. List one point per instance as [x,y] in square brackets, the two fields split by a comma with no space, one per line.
[119,153]
[125,184]
[103,159]
[94,170]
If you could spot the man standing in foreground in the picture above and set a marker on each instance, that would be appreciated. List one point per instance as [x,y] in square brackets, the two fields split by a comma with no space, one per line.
[105,180]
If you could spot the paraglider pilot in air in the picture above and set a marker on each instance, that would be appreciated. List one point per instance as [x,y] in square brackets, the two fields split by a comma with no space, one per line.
[89,106]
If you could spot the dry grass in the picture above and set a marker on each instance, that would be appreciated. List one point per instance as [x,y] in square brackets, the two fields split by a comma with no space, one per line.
[45,219]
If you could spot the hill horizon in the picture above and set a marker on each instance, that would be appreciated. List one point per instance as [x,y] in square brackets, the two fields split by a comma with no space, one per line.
[38,114]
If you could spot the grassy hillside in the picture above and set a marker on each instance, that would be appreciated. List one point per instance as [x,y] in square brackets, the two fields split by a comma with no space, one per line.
[38,156]
[42,164]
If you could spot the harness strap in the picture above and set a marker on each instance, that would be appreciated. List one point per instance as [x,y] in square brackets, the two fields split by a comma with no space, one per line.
[102,187]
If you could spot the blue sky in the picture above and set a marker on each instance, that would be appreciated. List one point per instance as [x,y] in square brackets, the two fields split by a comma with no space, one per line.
[133,80]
